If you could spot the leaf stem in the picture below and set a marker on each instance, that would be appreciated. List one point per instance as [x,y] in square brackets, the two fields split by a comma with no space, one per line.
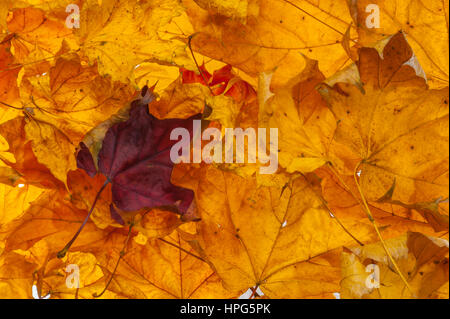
[372,220]
[196,63]
[64,251]
[182,249]
[254,292]
[122,253]
[342,226]
[20,65]
[13,107]
[327,207]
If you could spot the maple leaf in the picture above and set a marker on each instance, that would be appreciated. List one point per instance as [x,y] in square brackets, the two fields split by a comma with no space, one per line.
[180,100]
[15,277]
[156,269]
[44,272]
[423,259]
[268,35]
[140,26]
[51,217]
[24,160]
[388,126]
[73,96]
[393,219]
[188,94]
[68,101]
[14,201]
[135,158]
[424,24]
[34,241]
[230,102]
[306,126]
[91,279]
[36,37]
[286,244]
[51,146]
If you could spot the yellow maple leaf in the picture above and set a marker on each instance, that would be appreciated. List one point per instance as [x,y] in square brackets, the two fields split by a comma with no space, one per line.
[273,237]
[140,26]
[425,25]
[367,273]
[396,128]
[156,269]
[306,126]
[272,35]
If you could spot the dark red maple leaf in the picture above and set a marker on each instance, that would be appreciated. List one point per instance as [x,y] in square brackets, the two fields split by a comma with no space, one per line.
[135,158]
[85,160]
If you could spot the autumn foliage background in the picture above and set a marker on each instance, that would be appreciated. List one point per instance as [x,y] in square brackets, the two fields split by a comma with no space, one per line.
[363,151]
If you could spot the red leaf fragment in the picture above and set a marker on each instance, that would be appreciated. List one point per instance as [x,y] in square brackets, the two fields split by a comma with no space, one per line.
[85,160]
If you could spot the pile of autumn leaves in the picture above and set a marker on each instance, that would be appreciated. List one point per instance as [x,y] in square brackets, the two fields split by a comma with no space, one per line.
[362,116]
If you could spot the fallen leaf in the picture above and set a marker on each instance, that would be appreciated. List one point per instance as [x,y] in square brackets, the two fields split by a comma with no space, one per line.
[271,35]
[388,126]
[425,273]
[270,237]
[148,271]
[25,161]
[139,25]
[53,218]
[424,25]
[135,158]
